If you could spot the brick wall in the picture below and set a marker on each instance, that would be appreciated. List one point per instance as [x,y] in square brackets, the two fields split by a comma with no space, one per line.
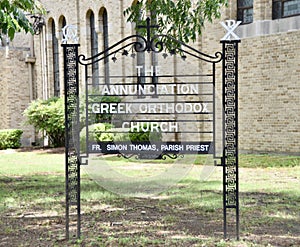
[269,93]
[4,116]
[14,93]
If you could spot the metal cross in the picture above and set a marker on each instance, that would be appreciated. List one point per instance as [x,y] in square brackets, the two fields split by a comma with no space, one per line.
[148,27]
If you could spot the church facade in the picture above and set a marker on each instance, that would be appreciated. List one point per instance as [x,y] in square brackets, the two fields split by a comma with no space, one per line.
[269,64]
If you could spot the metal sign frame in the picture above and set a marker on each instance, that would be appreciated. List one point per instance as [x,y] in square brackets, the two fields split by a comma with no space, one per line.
[229,159]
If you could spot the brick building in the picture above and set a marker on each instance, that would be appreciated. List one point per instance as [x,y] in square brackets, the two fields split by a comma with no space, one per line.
[269,64]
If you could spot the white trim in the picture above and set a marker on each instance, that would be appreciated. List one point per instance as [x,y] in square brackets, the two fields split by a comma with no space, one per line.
[268,27]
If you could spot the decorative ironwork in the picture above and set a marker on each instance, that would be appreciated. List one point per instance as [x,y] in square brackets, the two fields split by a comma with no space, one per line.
[38,23]
[171,156]
[69,34]
[125,156]
[230,26]
[153,44]
[72,133]
[230,135]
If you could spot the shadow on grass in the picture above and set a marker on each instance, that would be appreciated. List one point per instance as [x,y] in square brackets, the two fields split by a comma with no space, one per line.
[195,211]
[190,213]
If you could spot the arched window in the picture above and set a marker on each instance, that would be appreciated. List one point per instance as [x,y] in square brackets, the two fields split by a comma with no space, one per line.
[103,25]
[56,36]
[55,54]
[62,23]
[94,48]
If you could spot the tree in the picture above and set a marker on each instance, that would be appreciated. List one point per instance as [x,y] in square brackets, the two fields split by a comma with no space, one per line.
[13,16]
[182,19]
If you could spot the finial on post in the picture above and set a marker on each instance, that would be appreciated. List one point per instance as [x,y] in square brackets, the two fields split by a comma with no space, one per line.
[70,34]
[230,26]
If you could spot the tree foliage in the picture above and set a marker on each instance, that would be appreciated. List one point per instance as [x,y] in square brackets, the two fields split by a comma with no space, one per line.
[13,16]
[182,19]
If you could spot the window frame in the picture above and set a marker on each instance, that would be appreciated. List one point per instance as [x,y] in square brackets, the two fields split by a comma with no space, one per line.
[103,23]
[94,47]
[281,9]
[55,57]
[241,10]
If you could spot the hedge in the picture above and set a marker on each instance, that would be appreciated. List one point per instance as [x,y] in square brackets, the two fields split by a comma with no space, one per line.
[10,138]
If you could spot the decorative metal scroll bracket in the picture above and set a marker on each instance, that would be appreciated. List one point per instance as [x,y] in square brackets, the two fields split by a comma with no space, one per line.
[149,45]
[38,23]
[162,156]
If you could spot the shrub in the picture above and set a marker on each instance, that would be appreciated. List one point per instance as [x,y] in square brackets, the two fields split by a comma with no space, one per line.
[95,117]
[48,115]
[97,132]
[138,135]
[100,132]
[122,136]
[10,138]
[141,135]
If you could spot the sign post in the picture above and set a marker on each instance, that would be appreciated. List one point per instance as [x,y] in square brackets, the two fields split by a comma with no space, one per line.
[230,126]
[71,86]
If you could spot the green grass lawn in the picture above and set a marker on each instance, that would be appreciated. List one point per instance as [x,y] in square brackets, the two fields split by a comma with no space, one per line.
[30,163]
[32,199]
